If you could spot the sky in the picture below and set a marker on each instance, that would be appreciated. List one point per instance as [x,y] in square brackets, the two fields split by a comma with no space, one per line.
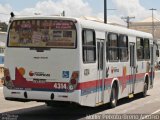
[78,8]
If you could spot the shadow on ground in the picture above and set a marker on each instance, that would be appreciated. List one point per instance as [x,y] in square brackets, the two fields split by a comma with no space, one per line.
[44,112]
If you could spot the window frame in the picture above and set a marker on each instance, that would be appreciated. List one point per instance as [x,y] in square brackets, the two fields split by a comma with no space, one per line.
[142,49]
[146,48]
[109,47]
[93,47]
[123,48]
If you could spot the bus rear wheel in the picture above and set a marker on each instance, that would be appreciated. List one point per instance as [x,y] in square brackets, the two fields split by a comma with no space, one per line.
[114,96]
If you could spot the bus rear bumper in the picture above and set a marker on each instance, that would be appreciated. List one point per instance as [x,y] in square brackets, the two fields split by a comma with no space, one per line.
[40,96]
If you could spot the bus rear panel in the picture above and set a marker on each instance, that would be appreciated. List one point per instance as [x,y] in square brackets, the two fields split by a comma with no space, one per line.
[42,60]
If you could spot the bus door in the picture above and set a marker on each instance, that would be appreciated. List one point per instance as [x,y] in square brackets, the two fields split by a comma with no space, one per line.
[132,69]
[100,81]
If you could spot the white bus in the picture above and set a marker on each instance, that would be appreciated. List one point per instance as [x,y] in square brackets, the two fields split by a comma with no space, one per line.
[59,60]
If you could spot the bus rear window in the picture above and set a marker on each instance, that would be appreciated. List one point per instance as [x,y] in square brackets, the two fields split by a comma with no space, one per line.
[42,33]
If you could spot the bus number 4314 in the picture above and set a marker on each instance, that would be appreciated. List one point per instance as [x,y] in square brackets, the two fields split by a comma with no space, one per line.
[60,85]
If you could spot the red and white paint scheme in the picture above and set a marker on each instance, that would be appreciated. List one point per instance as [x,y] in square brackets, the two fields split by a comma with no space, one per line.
[52,59]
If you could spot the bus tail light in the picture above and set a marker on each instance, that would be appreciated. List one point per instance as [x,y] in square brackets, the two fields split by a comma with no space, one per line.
[6,72]
[2,81]
[74,81]
[2,73]
[7,79]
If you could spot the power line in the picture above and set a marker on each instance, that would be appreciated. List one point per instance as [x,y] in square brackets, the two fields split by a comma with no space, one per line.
[4,14]
[128,20]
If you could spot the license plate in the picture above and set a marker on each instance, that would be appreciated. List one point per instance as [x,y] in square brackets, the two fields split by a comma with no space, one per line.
[39,80]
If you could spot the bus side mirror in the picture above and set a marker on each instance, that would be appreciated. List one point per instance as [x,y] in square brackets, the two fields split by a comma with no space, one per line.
[157,53]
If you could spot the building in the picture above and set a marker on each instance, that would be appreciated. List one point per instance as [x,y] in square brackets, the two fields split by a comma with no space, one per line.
[146,26]
[149,26]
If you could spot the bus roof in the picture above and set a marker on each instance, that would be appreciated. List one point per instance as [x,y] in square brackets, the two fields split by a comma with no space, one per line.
[112,28]
[93,25]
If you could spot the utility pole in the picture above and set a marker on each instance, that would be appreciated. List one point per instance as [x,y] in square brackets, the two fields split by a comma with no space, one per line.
[128,20]
[63,13]
[105,11]
[153,21]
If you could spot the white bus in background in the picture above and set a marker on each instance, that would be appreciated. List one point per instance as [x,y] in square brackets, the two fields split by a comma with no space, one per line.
[59,59]
[3,38]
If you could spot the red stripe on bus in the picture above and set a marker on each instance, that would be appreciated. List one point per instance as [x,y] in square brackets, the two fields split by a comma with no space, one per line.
[21,82]
[96,83]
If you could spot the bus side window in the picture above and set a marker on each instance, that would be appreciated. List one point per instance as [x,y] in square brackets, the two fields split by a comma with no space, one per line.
[113,47]
[140,49]
[123,48]
[89,46]
[146,49]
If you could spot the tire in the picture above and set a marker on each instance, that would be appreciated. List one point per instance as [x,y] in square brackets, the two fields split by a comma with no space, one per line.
[114,96]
